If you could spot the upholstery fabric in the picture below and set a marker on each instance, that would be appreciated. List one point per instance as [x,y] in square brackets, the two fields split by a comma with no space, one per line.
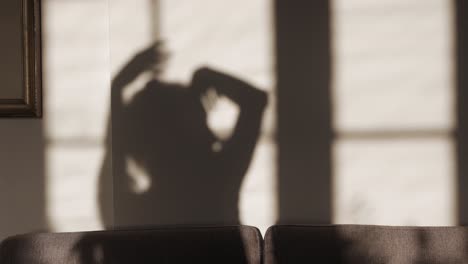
[355,244]
[233,244]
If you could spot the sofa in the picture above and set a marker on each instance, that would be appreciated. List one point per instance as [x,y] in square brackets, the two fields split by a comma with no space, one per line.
[327,244]
[228,244]
[365,244]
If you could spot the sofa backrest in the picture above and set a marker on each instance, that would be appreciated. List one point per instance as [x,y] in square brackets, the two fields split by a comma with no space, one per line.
[235,244]
[355,244]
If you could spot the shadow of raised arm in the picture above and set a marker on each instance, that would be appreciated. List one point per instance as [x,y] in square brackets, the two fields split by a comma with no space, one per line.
[151,58]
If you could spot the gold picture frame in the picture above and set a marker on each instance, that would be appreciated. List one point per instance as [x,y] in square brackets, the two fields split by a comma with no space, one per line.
[27,99]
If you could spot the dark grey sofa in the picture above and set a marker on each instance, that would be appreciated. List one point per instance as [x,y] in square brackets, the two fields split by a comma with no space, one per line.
[232,244]
[333,244]
[356,244]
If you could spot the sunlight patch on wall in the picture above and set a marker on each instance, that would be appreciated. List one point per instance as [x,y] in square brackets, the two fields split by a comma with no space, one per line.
[76,90]
[393,65]
[399,182]
[393,112]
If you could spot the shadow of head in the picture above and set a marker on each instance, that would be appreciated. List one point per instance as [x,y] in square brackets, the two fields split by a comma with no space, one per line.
[167,121]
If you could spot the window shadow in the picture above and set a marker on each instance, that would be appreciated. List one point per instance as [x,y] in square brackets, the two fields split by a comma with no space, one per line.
[461,9]
[303,65]
[22,177]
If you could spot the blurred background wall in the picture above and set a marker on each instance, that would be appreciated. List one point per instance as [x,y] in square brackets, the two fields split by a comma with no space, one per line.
[364,125]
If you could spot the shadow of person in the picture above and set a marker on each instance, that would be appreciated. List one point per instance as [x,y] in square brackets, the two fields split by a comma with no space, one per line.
[195,177]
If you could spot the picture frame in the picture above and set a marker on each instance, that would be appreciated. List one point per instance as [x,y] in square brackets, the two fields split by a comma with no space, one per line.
[21,69]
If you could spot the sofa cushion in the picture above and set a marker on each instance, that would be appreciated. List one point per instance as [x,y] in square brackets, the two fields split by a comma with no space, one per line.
[366,245]
[234,244]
